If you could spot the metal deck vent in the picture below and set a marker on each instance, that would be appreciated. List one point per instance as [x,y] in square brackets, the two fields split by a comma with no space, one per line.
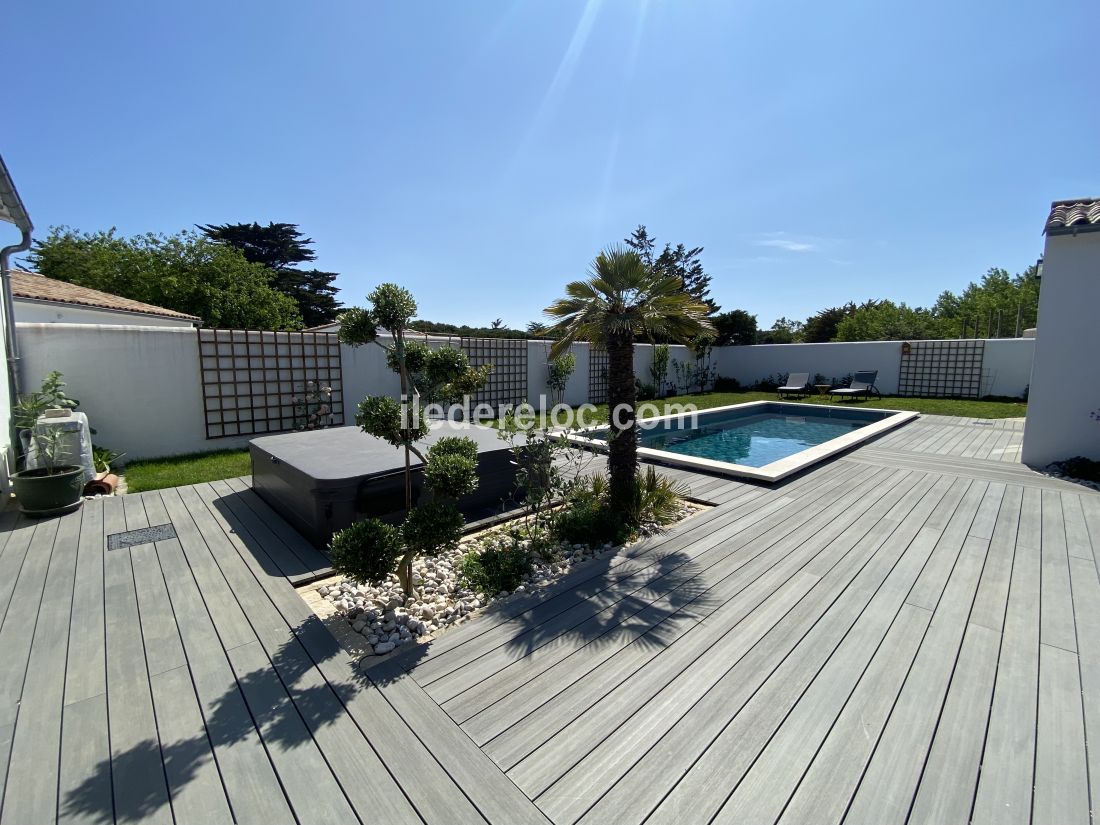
[144,535]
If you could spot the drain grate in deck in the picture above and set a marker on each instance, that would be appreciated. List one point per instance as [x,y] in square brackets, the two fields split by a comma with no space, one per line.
[144,535]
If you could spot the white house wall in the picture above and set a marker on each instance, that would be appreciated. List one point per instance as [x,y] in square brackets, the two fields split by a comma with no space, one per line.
[1063,417]
[38,312]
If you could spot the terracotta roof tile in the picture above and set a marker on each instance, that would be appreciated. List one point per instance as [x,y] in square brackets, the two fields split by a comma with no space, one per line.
[37,287]
[1073,215]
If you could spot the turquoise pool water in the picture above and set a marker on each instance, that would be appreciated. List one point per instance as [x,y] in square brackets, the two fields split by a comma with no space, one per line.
[755,438]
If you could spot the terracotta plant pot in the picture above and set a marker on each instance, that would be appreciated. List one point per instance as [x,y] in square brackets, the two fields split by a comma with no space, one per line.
[41,493]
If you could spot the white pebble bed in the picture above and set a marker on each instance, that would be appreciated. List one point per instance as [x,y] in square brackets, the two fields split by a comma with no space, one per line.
[387,621]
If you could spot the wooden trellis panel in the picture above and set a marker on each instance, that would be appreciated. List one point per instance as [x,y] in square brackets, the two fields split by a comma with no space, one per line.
[942,368]
[507,384]
[597,375]
[255,381]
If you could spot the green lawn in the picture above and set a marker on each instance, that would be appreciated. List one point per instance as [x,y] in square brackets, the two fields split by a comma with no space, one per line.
[985,408]
[178,470]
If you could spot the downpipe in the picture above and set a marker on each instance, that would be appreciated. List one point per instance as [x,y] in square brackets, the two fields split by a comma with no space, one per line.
[11,340]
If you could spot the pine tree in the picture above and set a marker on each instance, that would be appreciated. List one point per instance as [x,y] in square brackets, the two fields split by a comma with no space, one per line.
[678,261]
[280,247]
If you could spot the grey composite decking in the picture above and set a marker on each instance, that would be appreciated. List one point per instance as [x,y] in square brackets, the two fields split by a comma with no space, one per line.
[909,633]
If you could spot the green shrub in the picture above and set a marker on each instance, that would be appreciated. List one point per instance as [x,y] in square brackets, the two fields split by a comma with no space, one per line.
[367,551]
[591,523]
[659,497]
[497,568]
[454,445]
[450,475]
[724,384]
[586,517]
[380,415]
[432,528]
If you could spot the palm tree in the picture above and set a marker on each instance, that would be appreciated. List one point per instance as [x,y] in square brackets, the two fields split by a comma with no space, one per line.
[621,300]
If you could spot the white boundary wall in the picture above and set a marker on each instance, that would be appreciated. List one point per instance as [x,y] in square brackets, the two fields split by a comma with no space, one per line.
[1006,366]
[142,390]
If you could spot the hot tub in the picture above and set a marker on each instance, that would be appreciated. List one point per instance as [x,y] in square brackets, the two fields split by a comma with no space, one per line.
[322,481]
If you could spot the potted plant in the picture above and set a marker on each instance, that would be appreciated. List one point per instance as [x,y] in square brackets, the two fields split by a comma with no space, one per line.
[55,486]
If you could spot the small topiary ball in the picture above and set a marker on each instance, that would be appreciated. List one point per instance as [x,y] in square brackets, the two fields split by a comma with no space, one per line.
[367,551]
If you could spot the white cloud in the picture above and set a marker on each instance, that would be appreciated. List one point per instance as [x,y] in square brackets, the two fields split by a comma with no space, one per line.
[795,243]
[788,244]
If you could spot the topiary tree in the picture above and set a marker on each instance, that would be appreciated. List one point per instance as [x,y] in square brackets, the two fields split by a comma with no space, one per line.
[370,553]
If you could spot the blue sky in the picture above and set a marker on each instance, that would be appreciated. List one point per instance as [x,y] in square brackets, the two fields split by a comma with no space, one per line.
[481,153]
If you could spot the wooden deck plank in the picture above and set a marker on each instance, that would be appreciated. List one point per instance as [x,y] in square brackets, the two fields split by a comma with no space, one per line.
[155,512]
[137,773]
[1056,625]
[500,802]
[428,793]
[622,601]
[1061,765]
[510,689]
[251,784]
[587,780]
[31,787]
[827,785]
[11,562]
[306,779]
[84,788]
[1086,606]
[946,787]
[775,564]
[576,588]
[890,781]
[762,794]
[1005,784]
[194,780]
[724,784]
[86,674]
[311,561]
[515,610]
[305,775]
[229,620]
[992,598]
[163,648]
[567,708]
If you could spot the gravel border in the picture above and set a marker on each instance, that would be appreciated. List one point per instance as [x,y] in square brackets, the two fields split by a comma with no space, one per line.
[386,621]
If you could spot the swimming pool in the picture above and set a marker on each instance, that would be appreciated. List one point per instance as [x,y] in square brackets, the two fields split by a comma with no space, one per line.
[764,440]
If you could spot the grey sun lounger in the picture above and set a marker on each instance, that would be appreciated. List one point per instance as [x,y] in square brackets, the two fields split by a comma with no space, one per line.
[863,385]
[796,384]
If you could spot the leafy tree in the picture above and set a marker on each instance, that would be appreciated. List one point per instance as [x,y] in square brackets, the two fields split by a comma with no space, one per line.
[821,327]
[735,327]
[497,324]
[887,321]
[624,298]
[537,329]
[675,262]
[450,465]
[280,247]
[783,331]
[1000,305]
[185,272]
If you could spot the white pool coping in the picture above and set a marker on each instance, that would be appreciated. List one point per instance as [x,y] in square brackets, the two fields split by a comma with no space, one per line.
[777,469]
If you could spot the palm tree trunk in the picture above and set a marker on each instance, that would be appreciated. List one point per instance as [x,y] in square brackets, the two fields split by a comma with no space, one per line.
[622,461]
